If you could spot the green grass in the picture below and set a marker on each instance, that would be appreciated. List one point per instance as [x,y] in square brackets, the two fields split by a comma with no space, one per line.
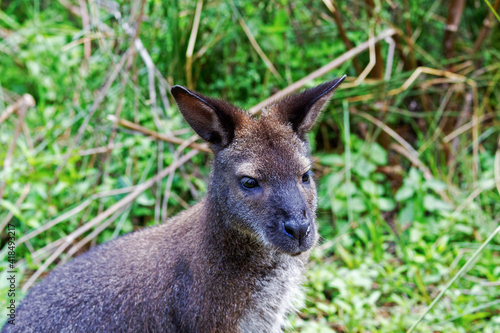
[407,190]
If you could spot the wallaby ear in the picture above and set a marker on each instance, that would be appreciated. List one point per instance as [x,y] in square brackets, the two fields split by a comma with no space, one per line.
[213,120]
[302,110]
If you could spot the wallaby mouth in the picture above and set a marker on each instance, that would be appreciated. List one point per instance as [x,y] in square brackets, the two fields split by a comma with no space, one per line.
[296,230]
[294,237]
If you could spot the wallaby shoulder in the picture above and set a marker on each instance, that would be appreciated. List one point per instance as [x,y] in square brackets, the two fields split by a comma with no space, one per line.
[105,285]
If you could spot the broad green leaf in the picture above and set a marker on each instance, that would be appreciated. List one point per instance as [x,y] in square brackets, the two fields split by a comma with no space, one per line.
[435,185]
[378,155]
[357,205]
[386,204]
[363,168]
[333,160]
[369,187]
[404,192]
[9,206]
[434,204]
[145,200]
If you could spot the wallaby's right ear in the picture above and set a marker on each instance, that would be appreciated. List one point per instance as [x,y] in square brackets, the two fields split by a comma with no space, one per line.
[213,120]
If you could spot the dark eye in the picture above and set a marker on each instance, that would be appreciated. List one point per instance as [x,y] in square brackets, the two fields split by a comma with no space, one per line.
[306,177]
[249,183]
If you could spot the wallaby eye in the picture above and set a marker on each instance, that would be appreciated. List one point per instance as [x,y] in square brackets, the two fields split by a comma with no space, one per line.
[306,178]
[249,183]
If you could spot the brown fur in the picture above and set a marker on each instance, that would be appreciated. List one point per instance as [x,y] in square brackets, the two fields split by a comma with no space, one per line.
[231,263]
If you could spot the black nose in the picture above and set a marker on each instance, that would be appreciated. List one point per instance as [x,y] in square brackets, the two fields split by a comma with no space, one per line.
[297,229]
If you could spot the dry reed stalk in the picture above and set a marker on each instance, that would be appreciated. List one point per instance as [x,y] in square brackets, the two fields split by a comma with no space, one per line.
[413,77]
[465,127]
[497,167]
[134,33]
[259,51]
[412,63]
[488,24]
[455,11]
[332,7]
[20,107]
[404,148]
[25,101]
[422,167]
[320,72]
[100,150]
[156,135]
[20,200]
[84,13]
[378,69]
[192,41]
[170,179]
[371,63]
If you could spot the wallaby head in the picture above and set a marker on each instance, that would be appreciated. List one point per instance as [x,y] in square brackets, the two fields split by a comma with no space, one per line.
[261,182]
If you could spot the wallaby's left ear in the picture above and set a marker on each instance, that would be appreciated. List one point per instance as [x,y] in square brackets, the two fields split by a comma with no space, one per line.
[302,110]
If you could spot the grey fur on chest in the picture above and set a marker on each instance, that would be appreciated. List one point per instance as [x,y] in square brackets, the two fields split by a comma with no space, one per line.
[274,299]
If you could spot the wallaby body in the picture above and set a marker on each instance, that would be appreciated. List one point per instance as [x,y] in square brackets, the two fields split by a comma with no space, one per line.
[231,263]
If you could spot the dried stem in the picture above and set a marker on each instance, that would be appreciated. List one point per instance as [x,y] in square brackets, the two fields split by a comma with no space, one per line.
[413,77]
[100,150]
[497,167]
[330,4]
[455,11]
[86,24]
[259,51]
[371,63]
[156,135]
[20,107]
[464,114]
[320,72]
[465,127]
[378,68]
[170,178]
[416,162]
[192,41]
[409,32]
[135,35]
[25,101]
[24,194]
[488,23]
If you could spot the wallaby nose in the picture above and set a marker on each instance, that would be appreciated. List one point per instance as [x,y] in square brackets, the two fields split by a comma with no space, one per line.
[296,229]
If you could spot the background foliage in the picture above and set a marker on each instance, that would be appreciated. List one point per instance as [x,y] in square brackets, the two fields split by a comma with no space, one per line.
[406,154]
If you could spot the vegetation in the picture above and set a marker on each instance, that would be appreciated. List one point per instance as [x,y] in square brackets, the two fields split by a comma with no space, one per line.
[408,155]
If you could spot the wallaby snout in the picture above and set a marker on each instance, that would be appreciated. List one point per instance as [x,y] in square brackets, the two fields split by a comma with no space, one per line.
[295,235]
[297,229]
[296,203]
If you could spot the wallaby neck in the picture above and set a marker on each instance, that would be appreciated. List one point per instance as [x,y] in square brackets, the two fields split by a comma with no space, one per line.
[220,233]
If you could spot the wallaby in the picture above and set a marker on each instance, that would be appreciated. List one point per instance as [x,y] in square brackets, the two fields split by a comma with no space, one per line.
[231,263]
